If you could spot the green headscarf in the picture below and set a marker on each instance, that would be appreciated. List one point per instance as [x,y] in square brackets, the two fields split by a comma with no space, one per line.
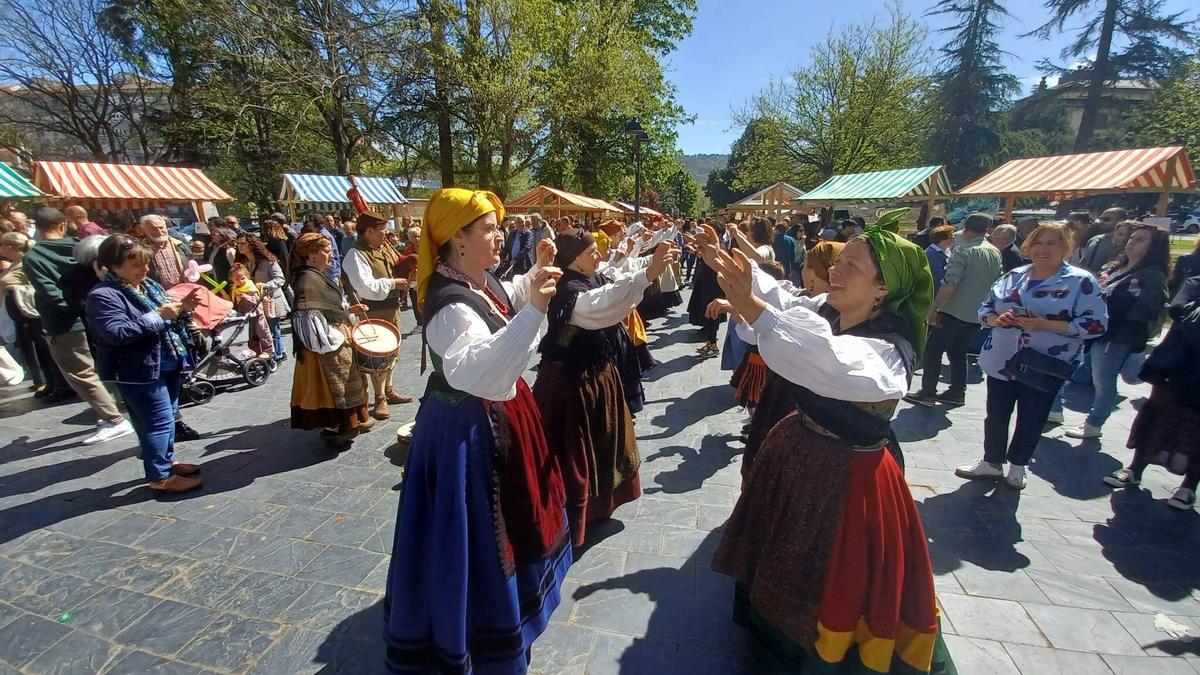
[906,274]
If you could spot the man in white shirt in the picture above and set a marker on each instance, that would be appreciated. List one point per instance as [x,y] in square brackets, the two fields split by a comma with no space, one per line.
[369,269]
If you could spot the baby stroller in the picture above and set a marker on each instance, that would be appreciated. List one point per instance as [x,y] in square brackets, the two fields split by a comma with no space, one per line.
[224,359]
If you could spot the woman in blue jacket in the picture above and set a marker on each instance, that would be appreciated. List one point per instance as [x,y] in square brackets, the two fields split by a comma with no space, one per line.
[142,346]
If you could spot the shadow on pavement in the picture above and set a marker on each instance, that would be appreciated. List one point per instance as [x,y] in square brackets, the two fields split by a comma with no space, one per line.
[23,447]
[1073,470]
[682,413]
[667,368]
[715,453]
[1152,544]
[266,454]
[971,525]
[918,423]
[692,605]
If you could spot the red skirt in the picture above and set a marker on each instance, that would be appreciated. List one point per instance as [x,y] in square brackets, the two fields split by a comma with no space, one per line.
[829,551]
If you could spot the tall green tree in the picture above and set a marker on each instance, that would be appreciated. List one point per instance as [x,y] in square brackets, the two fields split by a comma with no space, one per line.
[680,193]
[740,177]
[1119,38]
[1173,117]
[973,87]
[865,102]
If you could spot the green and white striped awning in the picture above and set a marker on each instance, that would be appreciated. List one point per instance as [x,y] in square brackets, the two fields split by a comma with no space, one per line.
[898,185]
[15,186]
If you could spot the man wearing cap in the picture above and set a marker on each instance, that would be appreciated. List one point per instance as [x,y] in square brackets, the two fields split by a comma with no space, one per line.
[953,317]
[368,271]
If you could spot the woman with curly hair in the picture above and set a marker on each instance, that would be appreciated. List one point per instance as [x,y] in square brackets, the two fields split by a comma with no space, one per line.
[264,270]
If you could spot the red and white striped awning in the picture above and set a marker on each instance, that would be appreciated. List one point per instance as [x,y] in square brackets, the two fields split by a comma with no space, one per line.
[1068,176]
[124,185]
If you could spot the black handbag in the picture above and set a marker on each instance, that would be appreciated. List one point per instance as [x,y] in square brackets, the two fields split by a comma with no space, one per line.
[1037,370]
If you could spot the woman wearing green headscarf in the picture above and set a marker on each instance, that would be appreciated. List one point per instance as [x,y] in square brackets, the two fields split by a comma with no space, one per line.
[830,558]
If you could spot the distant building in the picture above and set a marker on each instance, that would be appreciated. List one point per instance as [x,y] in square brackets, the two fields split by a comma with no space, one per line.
[1118,99]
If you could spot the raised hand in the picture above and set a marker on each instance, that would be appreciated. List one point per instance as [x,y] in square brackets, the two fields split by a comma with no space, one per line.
[663,254]
[543,286]
[735,274]
[716,308]
[708,243]
[546,250]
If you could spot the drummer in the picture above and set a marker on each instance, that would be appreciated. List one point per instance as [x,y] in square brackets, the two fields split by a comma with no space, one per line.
[367,271]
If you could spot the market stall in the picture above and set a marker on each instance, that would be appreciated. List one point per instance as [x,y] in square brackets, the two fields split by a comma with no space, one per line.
[925,184]
[315,192]
[14,187]
[627,208]
[774,200]
[1144,170]
[554,202]
[126,186]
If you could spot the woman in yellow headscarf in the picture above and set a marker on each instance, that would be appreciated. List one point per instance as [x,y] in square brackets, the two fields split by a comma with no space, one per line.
[481,544]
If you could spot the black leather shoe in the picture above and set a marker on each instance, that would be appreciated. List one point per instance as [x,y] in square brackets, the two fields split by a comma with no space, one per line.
[185,433]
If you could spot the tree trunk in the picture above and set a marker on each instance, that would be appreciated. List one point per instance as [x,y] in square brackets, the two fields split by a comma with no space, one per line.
[337,138]
[441,94]
[1100,75]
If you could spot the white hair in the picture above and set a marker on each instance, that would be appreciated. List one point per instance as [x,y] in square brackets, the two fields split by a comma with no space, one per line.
[88,249]
[152,218]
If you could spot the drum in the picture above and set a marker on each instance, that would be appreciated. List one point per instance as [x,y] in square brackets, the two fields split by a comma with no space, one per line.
[376,345]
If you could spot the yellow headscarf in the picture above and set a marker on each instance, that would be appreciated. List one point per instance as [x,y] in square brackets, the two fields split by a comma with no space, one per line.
[449,210]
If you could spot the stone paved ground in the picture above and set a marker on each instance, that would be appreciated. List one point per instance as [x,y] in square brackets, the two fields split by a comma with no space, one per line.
[278,564]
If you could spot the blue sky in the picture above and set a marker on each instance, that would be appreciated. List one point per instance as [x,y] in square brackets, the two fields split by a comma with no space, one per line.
[737,46]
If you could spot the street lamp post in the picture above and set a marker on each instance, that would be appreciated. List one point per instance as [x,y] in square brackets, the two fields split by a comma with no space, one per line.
[634,128]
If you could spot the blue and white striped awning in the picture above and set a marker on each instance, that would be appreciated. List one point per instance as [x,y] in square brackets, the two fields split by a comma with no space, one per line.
[330,191]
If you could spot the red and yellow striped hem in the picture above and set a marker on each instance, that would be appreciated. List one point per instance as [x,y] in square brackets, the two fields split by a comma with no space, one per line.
[913,647]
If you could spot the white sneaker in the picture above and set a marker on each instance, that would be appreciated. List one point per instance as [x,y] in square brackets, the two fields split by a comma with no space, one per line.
[980,469]
[1085,430]
[107,431]
[1055,418]
[1016,477]
[1183,499]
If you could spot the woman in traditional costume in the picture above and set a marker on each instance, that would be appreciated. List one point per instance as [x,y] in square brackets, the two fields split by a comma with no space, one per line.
[705,289]
[775,399]
[578,387]
[831,562]
[481,541]
[328,390]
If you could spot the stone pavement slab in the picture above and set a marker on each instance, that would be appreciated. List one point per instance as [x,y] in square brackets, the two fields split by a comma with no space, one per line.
[278,564]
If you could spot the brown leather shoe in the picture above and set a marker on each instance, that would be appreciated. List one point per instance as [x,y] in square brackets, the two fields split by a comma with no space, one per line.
[362,427]
[182,469]
[176,484]
[396,398]
[381,410]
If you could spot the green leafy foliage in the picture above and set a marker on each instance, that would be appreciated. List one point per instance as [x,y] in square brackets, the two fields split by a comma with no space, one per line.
[865,102]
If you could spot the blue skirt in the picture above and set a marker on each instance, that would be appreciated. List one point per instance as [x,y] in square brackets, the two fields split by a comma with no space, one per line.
[735,348]
[449,606]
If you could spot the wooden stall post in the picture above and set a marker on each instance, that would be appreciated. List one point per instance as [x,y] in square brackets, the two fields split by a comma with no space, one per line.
[396,216]
[1164,199]
[1009,202]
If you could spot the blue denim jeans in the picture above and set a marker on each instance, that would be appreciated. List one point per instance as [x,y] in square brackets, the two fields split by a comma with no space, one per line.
[152,410]
[277,336]
[1107,359]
